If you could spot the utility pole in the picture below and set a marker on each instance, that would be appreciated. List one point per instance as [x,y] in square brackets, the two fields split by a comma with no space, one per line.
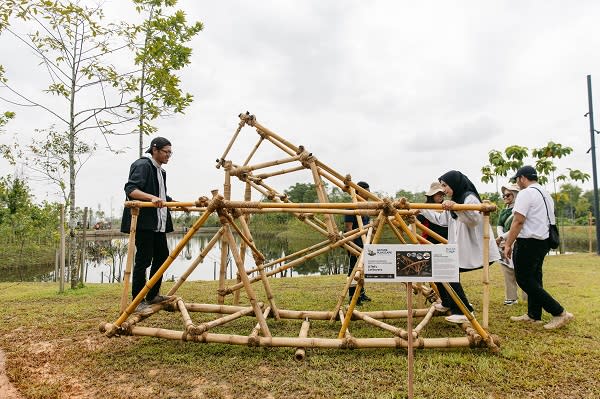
[590,116]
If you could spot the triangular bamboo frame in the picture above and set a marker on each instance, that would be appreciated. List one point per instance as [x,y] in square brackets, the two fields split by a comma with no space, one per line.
[233,215]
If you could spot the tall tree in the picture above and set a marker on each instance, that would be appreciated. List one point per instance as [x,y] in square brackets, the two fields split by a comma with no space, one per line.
[160,53]
[86,93]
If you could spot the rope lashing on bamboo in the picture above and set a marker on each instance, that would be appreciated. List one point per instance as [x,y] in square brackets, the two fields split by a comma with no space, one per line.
[305,157]
[248,119]
[388,207]
[202,202]
[346,182]
[402,203]
[349,343]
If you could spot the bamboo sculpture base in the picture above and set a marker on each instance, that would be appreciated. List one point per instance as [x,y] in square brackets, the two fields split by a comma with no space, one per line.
[235,218]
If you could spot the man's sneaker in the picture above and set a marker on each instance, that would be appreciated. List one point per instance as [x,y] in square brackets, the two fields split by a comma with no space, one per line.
[142,305]
[559,321]
[363,297]
[440,308]
[159,299]
[359,302]
[511,302]
[524,318]
[457,318]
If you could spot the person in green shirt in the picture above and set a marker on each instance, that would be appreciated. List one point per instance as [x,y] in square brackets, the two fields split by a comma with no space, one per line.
[509,193]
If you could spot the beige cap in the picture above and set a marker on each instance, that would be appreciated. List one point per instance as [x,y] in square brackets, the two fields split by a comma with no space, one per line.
[510,187]
[435,188]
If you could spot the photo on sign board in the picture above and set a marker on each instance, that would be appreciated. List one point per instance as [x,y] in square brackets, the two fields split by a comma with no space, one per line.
[414,263]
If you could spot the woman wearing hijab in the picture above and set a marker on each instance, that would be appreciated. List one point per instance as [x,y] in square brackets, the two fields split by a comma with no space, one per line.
[465,229]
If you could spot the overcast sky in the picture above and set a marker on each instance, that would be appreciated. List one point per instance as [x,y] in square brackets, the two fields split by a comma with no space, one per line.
[392,92]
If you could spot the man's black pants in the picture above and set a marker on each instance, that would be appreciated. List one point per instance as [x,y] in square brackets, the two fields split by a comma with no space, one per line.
[528,258]
[151,250]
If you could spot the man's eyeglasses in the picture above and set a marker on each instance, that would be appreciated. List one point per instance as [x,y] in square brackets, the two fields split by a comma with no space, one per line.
[507,195]
[168,153]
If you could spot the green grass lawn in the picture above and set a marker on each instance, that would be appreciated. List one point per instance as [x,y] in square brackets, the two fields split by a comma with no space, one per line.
[54,349]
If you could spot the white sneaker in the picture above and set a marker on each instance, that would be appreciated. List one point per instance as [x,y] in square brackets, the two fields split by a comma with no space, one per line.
[511,302]
[440,308]
[457,318]
[559,321]
[525,318]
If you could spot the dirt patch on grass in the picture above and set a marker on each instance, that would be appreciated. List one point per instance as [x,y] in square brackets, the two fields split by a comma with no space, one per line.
[7,389]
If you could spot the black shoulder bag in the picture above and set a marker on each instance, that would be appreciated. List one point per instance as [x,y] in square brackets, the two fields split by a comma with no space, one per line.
[553,237]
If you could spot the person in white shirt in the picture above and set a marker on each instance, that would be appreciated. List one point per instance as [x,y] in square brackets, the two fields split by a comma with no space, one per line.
[465,229]
[529,231]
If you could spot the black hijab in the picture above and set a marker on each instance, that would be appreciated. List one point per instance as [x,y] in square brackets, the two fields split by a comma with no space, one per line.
[460,184]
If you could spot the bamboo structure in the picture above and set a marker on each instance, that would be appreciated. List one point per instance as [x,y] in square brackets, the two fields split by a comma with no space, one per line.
[235,237]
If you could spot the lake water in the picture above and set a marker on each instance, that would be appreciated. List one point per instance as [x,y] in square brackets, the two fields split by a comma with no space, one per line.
[100,270]
[103,253]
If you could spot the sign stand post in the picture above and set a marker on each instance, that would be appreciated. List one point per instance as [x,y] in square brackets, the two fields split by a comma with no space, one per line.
[409,321]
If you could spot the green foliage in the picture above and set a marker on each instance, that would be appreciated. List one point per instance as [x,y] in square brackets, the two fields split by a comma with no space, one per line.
[162,53]
[75,49]
[410,196]
[501,163]
[25,227]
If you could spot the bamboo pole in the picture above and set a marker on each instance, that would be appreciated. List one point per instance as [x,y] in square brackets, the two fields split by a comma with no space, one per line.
[425,320]
[279,172]
[246,217]
[358,270]
[224,246]
[279,145]
[238,171]
[322,195]
[130,258]
[465,311]
[187,320]
[260,140]
[223,270]
[430,232]
[486,269]
[270,134]
[237,132]
[259,259]
[395,230]
[300,353]
[256,328]
[299,260]
[412,237]
[158,275]
[326,343]
[249,291]
[201,328]
[199,259]
[397,331]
